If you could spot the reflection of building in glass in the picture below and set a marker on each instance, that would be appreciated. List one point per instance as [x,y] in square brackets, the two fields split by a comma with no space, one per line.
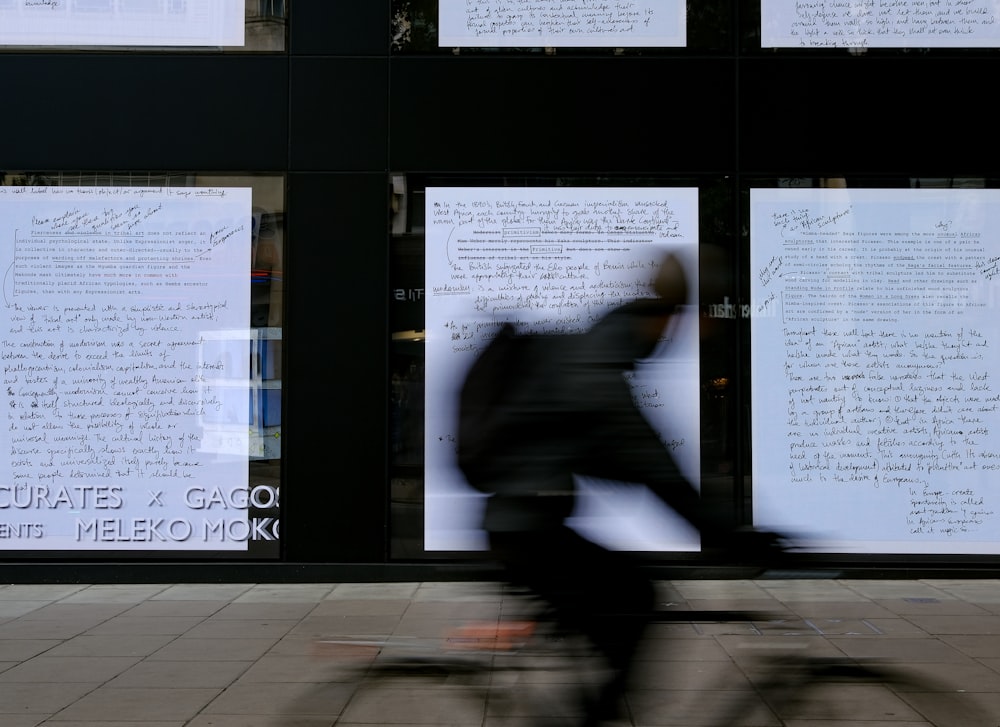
[265,25]
[270,8]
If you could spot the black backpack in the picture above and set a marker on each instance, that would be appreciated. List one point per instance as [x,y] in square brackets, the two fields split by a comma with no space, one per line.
[497,398]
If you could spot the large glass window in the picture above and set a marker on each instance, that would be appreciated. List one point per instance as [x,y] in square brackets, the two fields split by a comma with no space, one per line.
[874,413]
[142,363]
[552,255]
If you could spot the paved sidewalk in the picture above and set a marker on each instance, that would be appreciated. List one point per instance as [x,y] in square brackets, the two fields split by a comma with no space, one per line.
[260,655]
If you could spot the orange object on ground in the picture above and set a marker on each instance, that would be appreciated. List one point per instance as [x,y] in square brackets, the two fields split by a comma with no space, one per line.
[490,635]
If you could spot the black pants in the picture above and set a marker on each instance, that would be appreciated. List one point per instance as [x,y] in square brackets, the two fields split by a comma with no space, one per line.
[600,593]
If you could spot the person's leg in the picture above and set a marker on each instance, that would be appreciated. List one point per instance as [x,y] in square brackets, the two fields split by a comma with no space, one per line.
[622,602]
[591,590]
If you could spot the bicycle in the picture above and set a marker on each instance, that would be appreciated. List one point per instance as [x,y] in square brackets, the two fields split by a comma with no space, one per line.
[522,664]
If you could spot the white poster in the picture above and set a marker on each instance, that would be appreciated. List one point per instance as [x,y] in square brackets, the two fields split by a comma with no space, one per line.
[555,260]
[880,24]
[126,360]
[876,405]
[122,22]
[555,23]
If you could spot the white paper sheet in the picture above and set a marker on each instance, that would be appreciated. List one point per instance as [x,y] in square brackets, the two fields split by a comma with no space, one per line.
[126,368]
[556,260]
[875,400]
[122,22]
[554,23]
[880,24]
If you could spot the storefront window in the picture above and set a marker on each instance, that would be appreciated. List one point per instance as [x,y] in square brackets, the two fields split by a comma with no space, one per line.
[142,363]
[872,303]
[551,255]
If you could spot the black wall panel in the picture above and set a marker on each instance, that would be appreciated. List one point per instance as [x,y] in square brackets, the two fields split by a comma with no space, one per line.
[337,114]
[907,116]
[144,112]
[335,385]
[561,114]
[339,27]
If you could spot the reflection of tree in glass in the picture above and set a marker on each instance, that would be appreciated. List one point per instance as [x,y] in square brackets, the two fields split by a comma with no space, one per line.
[24,179]
[414,25]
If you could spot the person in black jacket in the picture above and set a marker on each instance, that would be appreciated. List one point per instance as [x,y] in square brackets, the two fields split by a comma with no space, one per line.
[577,417]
